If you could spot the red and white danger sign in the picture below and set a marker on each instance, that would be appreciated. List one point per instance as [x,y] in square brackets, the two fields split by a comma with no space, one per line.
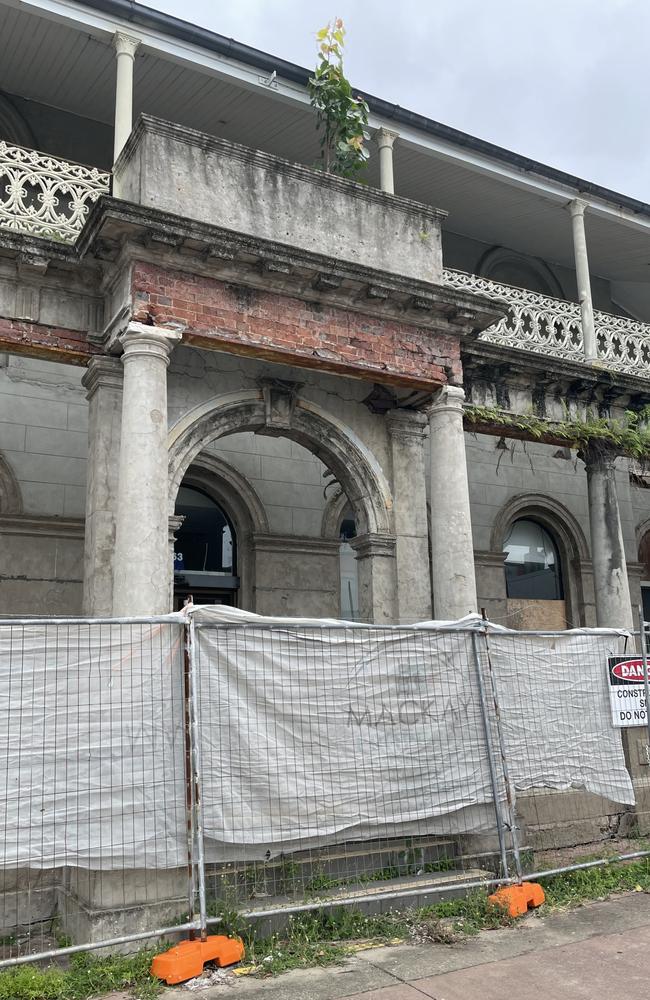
[627,691]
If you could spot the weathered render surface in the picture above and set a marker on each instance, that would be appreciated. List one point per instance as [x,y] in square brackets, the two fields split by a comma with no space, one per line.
[196,176]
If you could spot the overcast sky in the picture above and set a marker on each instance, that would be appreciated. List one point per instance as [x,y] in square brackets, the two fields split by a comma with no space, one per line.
[562,81]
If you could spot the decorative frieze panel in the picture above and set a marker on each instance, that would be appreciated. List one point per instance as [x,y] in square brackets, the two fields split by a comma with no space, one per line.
[552,327]
[46,196]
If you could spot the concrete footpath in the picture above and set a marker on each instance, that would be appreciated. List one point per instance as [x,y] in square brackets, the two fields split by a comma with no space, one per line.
[598,951]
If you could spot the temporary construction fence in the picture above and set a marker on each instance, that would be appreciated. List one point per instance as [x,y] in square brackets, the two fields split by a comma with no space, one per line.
[156,772]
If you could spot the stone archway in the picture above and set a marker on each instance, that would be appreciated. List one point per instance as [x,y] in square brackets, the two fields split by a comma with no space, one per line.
[276,409]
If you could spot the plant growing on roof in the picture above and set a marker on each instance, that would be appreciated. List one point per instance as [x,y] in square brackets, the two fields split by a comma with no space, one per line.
[341,117]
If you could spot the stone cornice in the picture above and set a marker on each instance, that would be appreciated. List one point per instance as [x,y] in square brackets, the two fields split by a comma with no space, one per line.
[103,371]
[367,546]
[53,527]
[128,232]
[480,359]
[295,544]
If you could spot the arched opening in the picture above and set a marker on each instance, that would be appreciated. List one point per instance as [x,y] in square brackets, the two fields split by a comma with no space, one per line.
[205,550]
[534,576]
[296,568]
[512,268]
[532,563]
[571,554]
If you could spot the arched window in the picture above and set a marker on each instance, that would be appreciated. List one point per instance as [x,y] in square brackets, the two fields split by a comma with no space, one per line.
[512,268]
[532,563]
[205,550]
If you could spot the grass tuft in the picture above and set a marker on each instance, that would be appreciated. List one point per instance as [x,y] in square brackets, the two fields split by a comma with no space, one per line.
[86,976]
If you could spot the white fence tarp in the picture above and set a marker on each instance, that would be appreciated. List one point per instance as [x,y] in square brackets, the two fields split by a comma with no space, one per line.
[555,712]
[91,746]
[328,733]
[311,732]
[314,734]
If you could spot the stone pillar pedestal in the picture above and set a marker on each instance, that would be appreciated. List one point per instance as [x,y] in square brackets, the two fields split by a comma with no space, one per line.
[375,556]
[407,430]
[612,590]
[141,567]
[103,383]
[452,550]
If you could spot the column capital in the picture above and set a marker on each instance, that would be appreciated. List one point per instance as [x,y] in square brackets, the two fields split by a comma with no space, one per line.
[366,546]
[103,371]
[125,45]
[448,397]
[598,457]
[153,341]
[385,138]
[407,426]
[175,522]
[576,207]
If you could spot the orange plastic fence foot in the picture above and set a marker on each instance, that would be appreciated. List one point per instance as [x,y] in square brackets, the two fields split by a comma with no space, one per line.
[186,960]
[518,899]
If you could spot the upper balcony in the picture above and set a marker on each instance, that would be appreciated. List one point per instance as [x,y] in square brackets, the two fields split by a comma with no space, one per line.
[187,173]
[44,195]
[553,327]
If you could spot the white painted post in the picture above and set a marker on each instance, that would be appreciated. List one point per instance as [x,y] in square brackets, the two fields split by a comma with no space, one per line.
[577,210]
[611,586]
[385,141]
[452,549]
[142,564]
[126,47]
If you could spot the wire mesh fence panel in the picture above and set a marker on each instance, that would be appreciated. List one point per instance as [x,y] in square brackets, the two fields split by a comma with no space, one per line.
[341,762]
[567,757]
[92,781]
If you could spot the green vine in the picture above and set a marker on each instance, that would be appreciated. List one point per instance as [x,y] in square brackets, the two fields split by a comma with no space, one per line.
[629,435]
[341,117]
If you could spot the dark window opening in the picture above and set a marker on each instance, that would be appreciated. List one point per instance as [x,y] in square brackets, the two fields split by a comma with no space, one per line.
[532,563]
[205,542]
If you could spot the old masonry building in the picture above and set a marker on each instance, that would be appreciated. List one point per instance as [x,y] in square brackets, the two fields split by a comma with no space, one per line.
[227,374]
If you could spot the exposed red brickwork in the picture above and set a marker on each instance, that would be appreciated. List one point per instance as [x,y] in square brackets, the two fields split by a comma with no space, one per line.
[245,320]
[51,342]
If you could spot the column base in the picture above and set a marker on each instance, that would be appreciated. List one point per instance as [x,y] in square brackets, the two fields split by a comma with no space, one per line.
[97,906]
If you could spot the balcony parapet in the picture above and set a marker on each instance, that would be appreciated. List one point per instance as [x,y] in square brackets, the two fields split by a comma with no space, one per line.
[196,176]
[44,195]
[553,327]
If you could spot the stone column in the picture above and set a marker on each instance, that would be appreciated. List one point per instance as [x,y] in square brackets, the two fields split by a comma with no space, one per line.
[612,590]
[577,210]
[126,47]
[452,550]
[375,556]
[385,140]
[103,383]
[407,430]
[141,585]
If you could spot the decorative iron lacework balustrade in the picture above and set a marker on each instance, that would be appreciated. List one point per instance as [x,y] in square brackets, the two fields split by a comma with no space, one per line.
[44,195]
[549,326]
